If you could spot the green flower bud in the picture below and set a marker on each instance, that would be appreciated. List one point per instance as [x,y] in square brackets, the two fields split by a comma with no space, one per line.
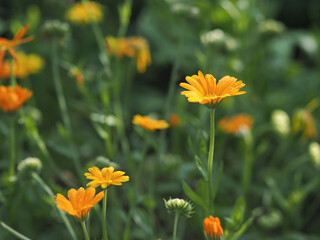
[55,29]
[179,206]
[314,151]
[281,122]
[29,165]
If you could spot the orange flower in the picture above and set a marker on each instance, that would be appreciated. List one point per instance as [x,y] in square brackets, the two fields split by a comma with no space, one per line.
[77,74]
[10,45]
[174,120]
[134,47]
[213,227]
[236,123]
[11,98]
[105,177]
[205,90]
[303,120]
[80,202]
[148,123]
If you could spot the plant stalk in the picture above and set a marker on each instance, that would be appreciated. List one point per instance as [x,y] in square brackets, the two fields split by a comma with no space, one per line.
[175,226]
[210,157]
[104,216]
[85,232]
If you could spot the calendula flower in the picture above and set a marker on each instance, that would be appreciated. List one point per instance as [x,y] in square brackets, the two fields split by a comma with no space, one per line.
[174,120]
[205,90]
[105,177]
[10,45]
[148,123]
[25,65]
[76,73]
[11,98]
[84,13]
[303,120]
[80,202]
[236,124]
[134,47]
[213,227]
[179,206]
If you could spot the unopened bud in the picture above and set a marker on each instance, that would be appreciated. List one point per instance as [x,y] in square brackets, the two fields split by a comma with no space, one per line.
[179,206]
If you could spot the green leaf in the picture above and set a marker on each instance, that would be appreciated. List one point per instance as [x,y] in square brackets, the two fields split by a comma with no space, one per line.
[216,181]
[237,214]
[241,230]
[194,196]
[201,168]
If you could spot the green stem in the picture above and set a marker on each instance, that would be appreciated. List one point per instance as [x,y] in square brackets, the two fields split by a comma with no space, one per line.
[13,232]
[133,202]
[12,148]
[47,189]
[100,41]
[124,25]
[104,216]
[13,81]
[63,107]
[175,226]
[86,236]
[249,159]
[210,157]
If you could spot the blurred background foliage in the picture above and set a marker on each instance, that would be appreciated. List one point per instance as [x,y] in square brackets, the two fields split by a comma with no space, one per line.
[273,46]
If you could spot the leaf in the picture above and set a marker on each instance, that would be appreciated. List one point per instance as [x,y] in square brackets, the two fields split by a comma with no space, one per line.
[201,168]
[241,230]
[216,181]
[237,214]
[194,196]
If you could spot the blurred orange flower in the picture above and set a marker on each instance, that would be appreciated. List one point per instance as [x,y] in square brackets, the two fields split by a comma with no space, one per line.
[205,90]
[148,123]
[134,47]
[236,124]
[213,227]
[10,45]
[75,72]
[304,121]
[174,120]
[11,98]
[105,177]
[80,202]
[25,65]
[78,13]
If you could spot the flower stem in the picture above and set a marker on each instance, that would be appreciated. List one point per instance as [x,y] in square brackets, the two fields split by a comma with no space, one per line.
[104,216]
[12,148]
[210,157]
[47,189]
[63,107]
[13,81]
[175,226]
[86,236]
[13,232]
[249,159]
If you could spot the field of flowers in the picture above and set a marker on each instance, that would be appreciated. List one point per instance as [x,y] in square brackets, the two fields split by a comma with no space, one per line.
[160,119]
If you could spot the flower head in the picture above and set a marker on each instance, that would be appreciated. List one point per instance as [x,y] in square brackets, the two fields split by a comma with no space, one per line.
[105,177]
[76,73]
[84,13]
[30,164]
[205,90]
[179,206]
[148,123]
[134,47]
[80,201]
[213,227]
[281,122]
[25,65]
[174,120]
[236,124]
[10,45]
[11,98]
[303,120]
[314,151]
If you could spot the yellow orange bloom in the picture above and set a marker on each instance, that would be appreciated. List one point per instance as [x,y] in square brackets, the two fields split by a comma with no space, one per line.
[134,47]
[77,74]
[80,201]
[10,45]
[236,124]
[304,121]
[11,98]
[213,227]
[205,90]
[85,13]
[105,177]
[174,120]
[148,123]
[25,65]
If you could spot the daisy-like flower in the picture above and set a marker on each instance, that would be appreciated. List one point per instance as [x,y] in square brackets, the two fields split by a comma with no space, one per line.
[25,65]
[10,45]
[148,123]
[85,13]
[105,177]
[206,90]
[134,47]
[11,98]
[236,124]
[80,202]
[213,227]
